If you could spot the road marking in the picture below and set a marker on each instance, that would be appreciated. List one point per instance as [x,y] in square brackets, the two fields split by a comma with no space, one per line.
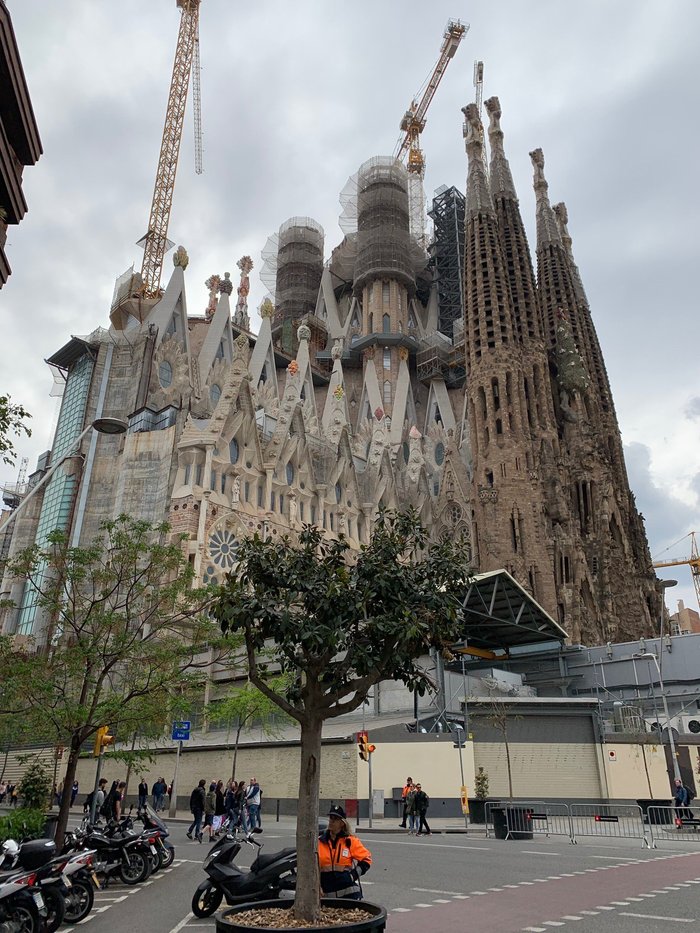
[620,903]
[394,910]
[433,845]
[626,913]
[422,905]
[182,923]
[603,907]
[619,858]
[571,917]
[536,852]
[440,900]
[435,891]
[590,913]
[534,930]
[553,923]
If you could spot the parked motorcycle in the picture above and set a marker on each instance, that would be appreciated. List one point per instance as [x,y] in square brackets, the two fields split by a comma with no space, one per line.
[151,821]
[266,878]
[39,855]
[22,907]
[125,856]
[81,894]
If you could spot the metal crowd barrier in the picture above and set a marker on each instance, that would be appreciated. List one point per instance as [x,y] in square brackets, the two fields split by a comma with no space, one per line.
[523,819]
[682,824]
[609,820]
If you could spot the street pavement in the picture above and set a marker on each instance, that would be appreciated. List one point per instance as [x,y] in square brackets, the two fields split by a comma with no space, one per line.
[461,881]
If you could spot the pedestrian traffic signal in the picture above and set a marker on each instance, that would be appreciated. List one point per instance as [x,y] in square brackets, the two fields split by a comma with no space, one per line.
[102,739]
[364,749]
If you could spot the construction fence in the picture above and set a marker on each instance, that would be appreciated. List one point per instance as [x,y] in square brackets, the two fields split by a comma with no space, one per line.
[649,824]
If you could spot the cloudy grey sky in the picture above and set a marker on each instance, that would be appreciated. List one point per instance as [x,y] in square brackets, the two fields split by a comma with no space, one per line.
[296,95]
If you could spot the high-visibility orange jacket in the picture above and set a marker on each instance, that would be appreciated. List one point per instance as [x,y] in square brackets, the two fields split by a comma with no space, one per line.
[406,789]
[336,861]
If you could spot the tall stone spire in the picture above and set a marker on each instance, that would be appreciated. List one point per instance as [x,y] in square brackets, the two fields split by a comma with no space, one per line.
[556,288]
[506,407]
[521,277]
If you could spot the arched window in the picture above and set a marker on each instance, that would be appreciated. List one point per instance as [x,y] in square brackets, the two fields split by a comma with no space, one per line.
[338,492]
[215,393]
[387,358]
[387,395]
[386,294]
[386,324]
[439,453]
[290,474]
[233,450]
[165,374]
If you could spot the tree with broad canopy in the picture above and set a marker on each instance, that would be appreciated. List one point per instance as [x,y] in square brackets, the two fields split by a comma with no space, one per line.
[338,621]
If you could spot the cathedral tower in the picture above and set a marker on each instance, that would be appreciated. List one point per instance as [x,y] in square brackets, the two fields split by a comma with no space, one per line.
[507,394]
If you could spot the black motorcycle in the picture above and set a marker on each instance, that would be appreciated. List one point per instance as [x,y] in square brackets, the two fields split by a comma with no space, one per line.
[265,879]
[126,855]
[153,823]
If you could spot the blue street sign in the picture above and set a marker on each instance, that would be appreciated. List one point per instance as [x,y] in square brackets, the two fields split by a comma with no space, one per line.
[181,731]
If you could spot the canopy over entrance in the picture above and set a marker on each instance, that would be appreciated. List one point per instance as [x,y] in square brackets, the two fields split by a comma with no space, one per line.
[499,615]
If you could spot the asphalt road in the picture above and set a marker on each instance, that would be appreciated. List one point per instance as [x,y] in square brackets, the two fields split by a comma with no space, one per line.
[462,882]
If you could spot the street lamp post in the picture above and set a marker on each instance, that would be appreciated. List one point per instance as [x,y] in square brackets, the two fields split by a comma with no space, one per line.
[676,770]
[459,730]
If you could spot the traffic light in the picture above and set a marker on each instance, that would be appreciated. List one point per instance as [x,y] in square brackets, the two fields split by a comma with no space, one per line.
[364,749]
[102,739]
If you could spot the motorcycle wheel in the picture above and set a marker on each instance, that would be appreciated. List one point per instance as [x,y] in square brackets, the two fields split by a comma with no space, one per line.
[206,900]
[25,916]
[80,901]
[166,856]
[55,908]
[138,869]
[154,862]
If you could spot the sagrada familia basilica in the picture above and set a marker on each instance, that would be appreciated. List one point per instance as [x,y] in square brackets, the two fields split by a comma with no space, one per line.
[450,378]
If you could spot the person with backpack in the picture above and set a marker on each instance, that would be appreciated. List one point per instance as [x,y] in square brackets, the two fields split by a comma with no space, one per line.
[197,802]
[100,797]
[682,798]
[107,808]
[210,810]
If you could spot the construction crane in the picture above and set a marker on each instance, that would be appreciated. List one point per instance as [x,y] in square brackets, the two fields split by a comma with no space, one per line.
[197,106]
[693,561]
[413,123]
[155,242]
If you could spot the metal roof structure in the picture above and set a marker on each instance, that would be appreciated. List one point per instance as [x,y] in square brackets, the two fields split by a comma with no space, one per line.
[499,614]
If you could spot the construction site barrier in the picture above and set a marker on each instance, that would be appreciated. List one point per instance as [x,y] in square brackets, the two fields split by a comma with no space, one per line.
[681,824]
[540,819]
[609,821]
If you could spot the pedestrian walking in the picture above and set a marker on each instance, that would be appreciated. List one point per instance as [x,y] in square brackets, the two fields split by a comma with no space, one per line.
[59,794]
[99,794]
[74,792]
[197,801]
[158,790]
[411,811]
[3,790]
[408,786]
[209,810]
[143,793]
[119,800]
[342,858]
[422,802]
[231,804]
[14,795]
[253,801]
[681,800]
[241,806]
[220,808]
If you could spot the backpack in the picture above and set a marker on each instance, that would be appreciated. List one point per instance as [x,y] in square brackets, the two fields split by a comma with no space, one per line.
[107,808]
[691,793]
[88,800]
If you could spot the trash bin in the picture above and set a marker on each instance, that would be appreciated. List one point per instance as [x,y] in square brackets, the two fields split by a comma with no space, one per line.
[657,817]
[515,819]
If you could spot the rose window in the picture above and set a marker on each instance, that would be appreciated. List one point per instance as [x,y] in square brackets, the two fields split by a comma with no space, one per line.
[222,548]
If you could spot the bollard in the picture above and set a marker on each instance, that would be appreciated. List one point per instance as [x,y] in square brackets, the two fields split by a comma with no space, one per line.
[278,810]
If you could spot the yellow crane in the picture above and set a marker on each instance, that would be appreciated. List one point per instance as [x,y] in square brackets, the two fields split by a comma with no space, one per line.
[155,242]
[413,123]
[693,561]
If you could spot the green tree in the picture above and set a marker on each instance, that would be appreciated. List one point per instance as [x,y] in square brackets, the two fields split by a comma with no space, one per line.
[248,706]
[338,621]
[35,787]
[129,636]
[12,419]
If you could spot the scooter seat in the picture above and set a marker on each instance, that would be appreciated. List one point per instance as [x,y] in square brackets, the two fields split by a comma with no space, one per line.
[262,861]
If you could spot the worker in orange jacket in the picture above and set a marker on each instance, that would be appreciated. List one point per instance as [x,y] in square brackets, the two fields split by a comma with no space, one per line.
[408,787]
[342,858]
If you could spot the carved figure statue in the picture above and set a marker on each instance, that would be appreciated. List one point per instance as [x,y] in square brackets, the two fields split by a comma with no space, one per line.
[292,509]
[236,490]
[226,285]
[473,130]
[212,283]
[267,309]
[240,317]
[180,258]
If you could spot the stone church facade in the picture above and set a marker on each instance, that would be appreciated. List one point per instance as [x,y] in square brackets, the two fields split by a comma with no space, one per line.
[360,390]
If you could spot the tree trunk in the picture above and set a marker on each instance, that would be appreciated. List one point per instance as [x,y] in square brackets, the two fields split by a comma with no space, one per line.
[64,810]
[235,750]
[510,773]
[306,902]
[4,763]
[130,765]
